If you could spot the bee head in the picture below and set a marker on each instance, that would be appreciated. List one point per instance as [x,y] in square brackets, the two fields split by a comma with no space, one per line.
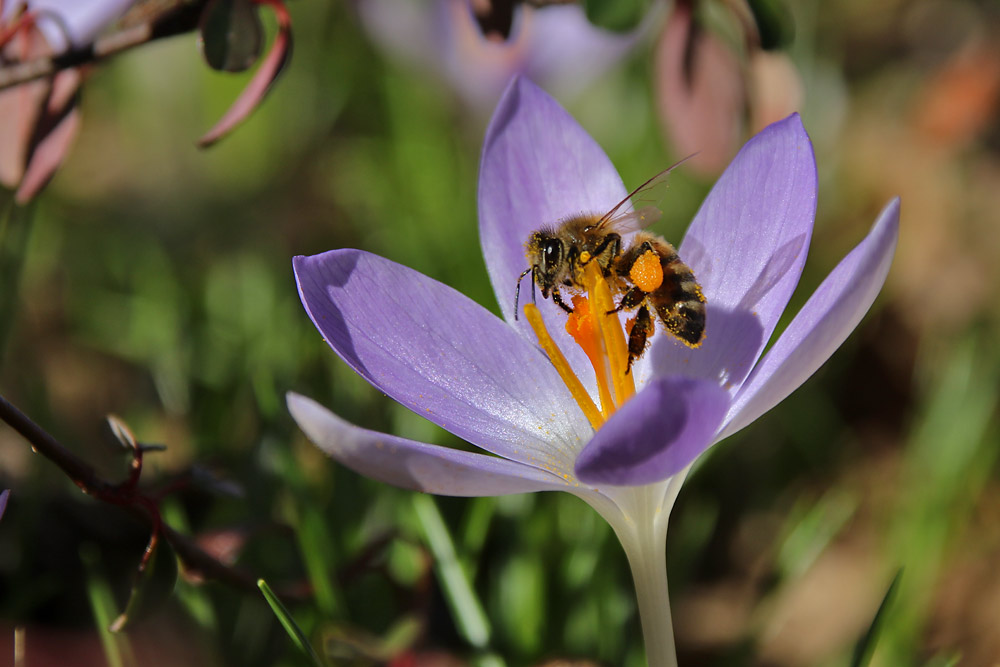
[546,253]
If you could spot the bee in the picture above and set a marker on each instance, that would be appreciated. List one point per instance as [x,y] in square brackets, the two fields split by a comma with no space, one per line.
[648,274]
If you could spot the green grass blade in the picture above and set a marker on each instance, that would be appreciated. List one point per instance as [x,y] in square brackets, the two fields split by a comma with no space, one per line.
[102,604]
[291,627]
[865,647]
[465,607]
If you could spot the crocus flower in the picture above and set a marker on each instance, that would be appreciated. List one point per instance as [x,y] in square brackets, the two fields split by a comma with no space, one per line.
[556,46]
[486,380]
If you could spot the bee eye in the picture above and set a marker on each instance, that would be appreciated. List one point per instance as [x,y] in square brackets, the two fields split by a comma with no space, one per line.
[552,250]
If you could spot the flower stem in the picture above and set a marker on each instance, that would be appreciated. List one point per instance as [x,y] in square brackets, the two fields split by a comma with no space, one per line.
[642,529]
[647,558]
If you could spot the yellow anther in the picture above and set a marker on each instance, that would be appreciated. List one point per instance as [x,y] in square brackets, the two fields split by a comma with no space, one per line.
[555,355]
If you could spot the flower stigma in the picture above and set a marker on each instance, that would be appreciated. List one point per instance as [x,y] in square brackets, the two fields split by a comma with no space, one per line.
[599,334]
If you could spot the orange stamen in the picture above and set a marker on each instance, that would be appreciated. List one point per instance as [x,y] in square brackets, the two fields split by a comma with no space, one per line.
[600,336]
[615,348]
[583,328]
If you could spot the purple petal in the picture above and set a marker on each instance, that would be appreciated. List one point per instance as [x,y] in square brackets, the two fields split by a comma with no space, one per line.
[416,465]
[821,326]
[443,356]
[656,434]
[747,246]
[3,501]
[538,167]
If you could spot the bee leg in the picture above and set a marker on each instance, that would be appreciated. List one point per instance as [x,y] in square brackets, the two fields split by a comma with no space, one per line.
[642,329]
[558,299]
[613,241]
[632,298]
[634,253]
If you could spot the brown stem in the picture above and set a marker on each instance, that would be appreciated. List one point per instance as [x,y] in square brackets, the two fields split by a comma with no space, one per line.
[175,21]
[85,477]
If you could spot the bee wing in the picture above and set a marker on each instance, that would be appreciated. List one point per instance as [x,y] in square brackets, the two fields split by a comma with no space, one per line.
[614,219]
[632,221]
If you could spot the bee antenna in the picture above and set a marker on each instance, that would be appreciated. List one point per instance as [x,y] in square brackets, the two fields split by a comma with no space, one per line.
[517,290]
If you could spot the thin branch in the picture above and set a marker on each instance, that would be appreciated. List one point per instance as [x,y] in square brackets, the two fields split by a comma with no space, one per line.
[85,477]
[78,470]
[178,20]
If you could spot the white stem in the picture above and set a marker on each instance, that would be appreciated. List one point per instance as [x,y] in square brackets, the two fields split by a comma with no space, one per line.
[648,560]
[639,517]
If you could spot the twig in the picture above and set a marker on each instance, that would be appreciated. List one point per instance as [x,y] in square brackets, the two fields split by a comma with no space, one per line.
[85,477]
[177,20]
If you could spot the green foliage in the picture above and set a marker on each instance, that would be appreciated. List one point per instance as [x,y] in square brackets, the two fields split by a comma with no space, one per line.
[865,647]
[774,23]
[616,15]
[288,623]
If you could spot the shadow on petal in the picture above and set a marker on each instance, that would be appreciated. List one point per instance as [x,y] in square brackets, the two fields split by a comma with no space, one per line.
[732,341]
[777,266]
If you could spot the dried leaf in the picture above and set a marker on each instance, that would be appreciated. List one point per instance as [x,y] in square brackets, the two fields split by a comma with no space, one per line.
[230,35]
[262,80]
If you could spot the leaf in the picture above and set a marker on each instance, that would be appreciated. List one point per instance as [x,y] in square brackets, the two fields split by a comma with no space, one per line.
[262,80]
[865,647]
[287,622]
[102,606]
[230,35]
[774,23]
[465,606]
[122,433]
[616,15]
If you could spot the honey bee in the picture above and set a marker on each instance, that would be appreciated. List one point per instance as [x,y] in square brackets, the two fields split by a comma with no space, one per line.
[648,274]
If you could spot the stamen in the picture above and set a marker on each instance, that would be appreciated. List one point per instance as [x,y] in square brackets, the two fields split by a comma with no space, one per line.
[562,367]
[598,332]
[581,326]
[615,348]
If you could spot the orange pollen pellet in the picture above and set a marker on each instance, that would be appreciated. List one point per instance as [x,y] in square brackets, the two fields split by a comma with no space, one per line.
[646,273]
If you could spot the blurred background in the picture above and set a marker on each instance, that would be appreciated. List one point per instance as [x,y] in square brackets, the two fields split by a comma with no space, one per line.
[152,280]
